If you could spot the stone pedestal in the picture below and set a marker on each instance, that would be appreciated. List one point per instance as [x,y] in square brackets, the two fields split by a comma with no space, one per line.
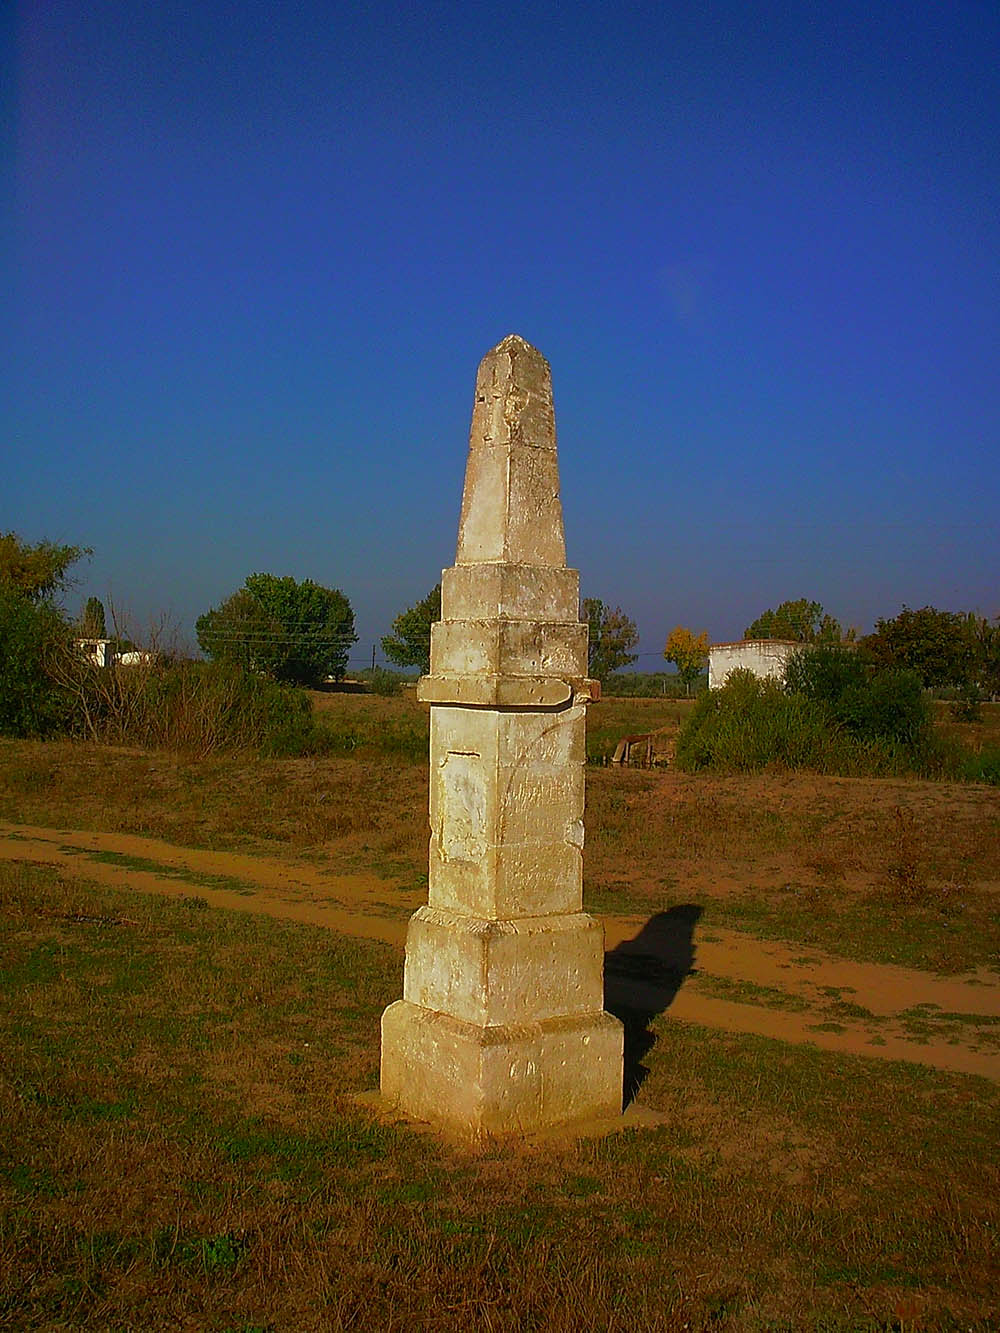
[501,1027]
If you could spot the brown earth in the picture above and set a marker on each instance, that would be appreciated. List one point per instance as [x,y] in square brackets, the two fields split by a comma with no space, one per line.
[722,978]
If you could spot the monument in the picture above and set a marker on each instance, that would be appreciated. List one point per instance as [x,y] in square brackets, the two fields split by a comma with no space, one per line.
[501,1028]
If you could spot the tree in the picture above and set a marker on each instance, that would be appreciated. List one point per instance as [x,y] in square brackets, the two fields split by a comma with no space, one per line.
[92,623]
[801,622]
[943,647]
[36,572]
[612,636]
[866,701]
[409,644]
[35,640]
[295,632]
[688,652]
[987,653]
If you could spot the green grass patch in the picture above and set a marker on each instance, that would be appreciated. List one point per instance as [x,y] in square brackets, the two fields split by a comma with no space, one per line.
[202,878]
[748,992]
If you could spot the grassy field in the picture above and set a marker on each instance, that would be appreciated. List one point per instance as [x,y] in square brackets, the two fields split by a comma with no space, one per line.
[890,870]
[180,1147]
[180,1150]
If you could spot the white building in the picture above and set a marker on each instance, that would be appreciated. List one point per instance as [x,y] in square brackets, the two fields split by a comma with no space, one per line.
[764,657]
[100,653]
[97,651]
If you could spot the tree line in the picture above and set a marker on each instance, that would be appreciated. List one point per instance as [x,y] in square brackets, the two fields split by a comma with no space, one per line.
[301,633]
[946,649]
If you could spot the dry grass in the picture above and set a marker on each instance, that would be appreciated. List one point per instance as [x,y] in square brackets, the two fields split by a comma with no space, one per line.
[976,736]
[888,869]
[178,1147]
[178,1151]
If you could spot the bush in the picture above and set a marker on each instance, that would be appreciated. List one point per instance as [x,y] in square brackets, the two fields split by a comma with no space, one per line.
[872,727]
[869,704]
[824,673]
[648,685]
[968,707]
[751,723]
[890,706]
[34,638]
[197,707]
[983,767]
[380,680]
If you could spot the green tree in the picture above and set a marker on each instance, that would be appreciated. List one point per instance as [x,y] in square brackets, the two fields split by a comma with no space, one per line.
[688,652]
[612,637]
[36,572]
[92,623]
[986,637]
[409,644]
[869,702]
[35,639]
[295,632]
[801,621]
[942,647]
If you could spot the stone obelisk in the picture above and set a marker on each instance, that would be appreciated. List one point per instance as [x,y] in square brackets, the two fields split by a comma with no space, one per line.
[501,1027]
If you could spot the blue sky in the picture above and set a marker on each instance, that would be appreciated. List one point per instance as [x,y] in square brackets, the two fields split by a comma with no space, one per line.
[256,251]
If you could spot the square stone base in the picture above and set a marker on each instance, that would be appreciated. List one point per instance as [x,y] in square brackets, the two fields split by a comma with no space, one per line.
[508,1079]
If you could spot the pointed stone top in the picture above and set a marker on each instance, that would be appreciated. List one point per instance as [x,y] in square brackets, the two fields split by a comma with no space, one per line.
[513,344]
[511,510]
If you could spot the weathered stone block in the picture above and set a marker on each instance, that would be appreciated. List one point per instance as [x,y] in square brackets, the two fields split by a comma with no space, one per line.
[508,648]
[534,492]
[540,805]
[510,592]
[492,972]
[558,738]
[507,1079]
[493,691]
[513,423]
[508,883]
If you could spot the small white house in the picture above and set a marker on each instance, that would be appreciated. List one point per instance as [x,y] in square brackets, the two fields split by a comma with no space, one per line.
[100,653]
[97,651]
[764,657]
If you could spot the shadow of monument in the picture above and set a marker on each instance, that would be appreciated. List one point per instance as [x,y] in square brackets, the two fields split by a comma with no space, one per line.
[641,978]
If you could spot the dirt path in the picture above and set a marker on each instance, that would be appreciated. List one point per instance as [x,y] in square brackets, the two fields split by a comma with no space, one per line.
[722,979]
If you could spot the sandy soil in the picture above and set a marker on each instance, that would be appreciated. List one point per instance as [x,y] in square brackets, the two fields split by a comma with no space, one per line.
[721,979]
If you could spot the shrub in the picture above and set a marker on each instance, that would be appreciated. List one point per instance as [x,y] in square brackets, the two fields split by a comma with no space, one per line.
[648,685]
[198,707]
[33,638]
[824,673]
[869,704]
[751,723]
[840,722]
[890,706]
[983,767]
[379,680]
[968,707]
